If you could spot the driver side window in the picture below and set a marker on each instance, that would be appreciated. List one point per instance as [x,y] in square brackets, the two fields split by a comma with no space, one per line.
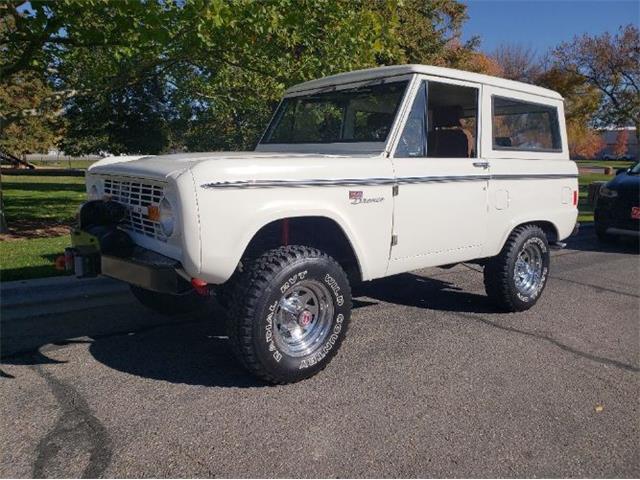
[443,123]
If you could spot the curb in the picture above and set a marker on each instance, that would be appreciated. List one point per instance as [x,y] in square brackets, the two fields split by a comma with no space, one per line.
[43,291]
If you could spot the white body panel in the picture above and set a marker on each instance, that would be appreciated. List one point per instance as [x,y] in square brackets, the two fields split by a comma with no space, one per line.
[223,199]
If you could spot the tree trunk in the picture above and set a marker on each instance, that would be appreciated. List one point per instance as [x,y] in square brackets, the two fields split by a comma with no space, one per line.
[3,221]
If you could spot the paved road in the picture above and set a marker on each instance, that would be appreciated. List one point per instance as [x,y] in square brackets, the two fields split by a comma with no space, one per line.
[430,382]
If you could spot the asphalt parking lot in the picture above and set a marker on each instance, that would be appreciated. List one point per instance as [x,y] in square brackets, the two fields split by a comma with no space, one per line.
[430,382]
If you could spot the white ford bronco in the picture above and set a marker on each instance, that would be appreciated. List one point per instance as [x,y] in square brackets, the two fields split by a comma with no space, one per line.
[358,176]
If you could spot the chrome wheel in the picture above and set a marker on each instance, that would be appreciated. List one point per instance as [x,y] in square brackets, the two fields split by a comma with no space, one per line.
[527,274]
[303,318]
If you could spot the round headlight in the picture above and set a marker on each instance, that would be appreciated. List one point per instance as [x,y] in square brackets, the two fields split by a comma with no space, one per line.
[167,218]
[94,192]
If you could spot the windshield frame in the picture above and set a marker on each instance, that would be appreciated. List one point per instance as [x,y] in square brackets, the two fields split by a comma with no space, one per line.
[349,146]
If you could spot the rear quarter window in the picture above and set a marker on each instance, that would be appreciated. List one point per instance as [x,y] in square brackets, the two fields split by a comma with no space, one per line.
[524,126]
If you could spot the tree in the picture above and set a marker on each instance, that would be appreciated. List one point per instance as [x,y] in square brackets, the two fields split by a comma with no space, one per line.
[584,142]
[221,65]
[518,62]
[29,115]
[133,119]
[621,146]
[610,63]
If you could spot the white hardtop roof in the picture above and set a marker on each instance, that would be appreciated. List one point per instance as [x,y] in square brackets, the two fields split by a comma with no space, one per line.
[397,70]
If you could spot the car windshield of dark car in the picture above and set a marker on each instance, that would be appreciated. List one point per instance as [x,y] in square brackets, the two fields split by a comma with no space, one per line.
[361,114]
[635,170]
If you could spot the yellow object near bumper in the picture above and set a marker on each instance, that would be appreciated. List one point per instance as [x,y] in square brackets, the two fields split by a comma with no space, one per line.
[84,241]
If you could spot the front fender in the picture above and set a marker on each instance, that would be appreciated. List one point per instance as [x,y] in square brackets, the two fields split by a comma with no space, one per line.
[230,218]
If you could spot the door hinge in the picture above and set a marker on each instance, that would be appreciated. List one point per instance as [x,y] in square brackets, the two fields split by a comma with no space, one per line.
[394,240]
[395,190]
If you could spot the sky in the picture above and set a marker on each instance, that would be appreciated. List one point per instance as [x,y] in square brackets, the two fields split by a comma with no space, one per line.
[543,24]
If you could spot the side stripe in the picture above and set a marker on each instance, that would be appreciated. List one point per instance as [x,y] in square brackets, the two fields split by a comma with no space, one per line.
[354,182]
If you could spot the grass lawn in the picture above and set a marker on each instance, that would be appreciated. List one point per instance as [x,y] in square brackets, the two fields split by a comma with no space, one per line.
[38,211]
[75,164]
[31,258]
[584,208]
[48,200]
[604,163]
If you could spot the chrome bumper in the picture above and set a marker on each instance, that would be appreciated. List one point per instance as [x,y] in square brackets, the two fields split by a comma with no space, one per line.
[145,269]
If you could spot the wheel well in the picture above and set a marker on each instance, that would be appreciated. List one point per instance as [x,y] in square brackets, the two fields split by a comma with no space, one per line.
[319,232]
[548,228]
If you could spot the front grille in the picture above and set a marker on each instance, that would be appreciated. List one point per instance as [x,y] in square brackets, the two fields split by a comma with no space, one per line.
[137,196]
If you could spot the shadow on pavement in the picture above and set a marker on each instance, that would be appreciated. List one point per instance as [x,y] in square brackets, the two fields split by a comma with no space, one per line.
[190,349]
[586,241]
[426,292]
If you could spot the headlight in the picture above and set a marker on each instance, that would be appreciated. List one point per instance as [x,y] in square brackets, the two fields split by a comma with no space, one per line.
[608,193]
[94,192]
[167,218]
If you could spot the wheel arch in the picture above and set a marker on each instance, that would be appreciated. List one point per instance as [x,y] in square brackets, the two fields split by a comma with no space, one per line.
[549,228]
[303,230]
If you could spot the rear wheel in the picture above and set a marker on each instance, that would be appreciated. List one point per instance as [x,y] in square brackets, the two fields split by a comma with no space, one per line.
[515,279]
[167,304]
[289,313]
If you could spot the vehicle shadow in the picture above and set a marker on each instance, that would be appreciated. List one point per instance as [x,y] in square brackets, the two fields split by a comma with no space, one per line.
[413,290]
[190,349]
[586,241]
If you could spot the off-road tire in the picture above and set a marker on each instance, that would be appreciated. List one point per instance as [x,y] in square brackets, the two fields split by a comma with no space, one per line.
[167,304]
[255,303]
[499,271]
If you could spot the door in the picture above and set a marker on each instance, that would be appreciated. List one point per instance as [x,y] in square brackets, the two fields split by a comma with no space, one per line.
[440,209]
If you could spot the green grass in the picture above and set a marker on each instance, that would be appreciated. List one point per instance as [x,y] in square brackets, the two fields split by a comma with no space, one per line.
[48,200]
[584,208]
[32,258]
[604,163]
[33,202]
[75,164]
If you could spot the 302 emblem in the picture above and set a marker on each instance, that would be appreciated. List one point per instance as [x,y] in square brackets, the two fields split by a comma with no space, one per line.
[356,197]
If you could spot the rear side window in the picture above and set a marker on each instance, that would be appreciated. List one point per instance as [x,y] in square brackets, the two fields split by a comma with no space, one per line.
[525,126]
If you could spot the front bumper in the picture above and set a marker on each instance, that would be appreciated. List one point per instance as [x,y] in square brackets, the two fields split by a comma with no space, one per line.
[138,266]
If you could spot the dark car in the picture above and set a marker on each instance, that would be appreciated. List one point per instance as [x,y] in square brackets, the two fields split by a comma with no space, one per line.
[617,210]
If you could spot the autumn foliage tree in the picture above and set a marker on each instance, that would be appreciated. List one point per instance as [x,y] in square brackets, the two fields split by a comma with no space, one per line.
[584,142]
[621,145]
[611,64]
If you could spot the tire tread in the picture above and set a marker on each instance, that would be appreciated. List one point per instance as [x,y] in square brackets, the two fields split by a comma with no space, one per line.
[257,276]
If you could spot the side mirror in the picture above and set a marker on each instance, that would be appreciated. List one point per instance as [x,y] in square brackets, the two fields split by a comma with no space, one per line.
[621,170]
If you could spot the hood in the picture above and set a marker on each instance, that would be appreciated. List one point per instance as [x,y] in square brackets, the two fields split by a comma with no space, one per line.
[626,183]
[222,164]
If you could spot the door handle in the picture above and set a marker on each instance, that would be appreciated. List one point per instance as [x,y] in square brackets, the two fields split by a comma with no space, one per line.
[481,164]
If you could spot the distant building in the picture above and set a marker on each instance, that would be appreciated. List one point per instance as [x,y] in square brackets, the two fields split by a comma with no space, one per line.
[609,137]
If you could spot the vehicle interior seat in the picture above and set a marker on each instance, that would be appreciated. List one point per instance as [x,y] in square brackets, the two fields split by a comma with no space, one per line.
[448,139]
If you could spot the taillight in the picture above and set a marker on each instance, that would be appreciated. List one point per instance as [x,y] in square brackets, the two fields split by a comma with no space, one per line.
[575,198]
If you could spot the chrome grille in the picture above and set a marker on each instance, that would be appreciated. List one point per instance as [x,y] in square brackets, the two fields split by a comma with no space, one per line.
[137,196]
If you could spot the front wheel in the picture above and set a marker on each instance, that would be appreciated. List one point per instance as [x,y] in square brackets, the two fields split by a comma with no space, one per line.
[289,313]
[515,278]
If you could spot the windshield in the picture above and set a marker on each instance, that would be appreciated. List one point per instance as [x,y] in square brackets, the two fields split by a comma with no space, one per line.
[361,114]
[635,169]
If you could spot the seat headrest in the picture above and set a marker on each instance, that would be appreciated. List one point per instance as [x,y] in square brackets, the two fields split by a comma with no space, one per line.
[447,116]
